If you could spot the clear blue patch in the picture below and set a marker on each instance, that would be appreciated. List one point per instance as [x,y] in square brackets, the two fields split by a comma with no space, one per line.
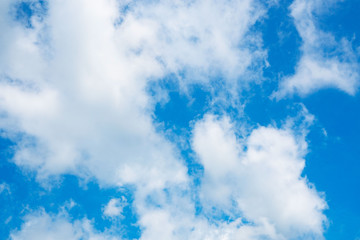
[342,20]
[333,162]
[282,41]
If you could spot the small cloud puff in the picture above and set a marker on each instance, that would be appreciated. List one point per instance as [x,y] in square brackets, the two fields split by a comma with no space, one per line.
[4,188]
[114,208]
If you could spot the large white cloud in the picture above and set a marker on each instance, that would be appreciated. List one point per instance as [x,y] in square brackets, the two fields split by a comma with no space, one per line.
[74,85]
[325,61]
[259,178]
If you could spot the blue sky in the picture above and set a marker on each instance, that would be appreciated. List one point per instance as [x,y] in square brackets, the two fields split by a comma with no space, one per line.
[179,119]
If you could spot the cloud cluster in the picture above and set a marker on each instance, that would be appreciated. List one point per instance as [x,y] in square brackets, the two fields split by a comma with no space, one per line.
[73,86]
[325,62]
[74,99]
[255,181]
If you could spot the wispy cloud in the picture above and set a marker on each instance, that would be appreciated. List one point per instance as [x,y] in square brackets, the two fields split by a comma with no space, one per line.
[325,62]
[4,188]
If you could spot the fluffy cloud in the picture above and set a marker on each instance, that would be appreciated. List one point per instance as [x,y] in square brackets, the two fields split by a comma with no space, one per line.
[259,179]
[85,111]
[115,207]
[325,62]
[73,86]
[255,181]
[44,226]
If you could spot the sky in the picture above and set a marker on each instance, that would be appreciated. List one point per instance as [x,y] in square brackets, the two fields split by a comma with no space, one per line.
[195,119]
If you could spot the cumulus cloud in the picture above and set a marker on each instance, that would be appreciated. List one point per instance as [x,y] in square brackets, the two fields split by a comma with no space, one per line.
[259,179]
[325,62]
[41,225]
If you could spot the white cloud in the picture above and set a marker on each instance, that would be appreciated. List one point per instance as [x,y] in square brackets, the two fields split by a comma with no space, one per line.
[73,87]
[56,227]
[163,225]
[114,208]
[206,37]
[256,181]
[325,62]
[20,58]
[259,179]
[85,111]
[172,215]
